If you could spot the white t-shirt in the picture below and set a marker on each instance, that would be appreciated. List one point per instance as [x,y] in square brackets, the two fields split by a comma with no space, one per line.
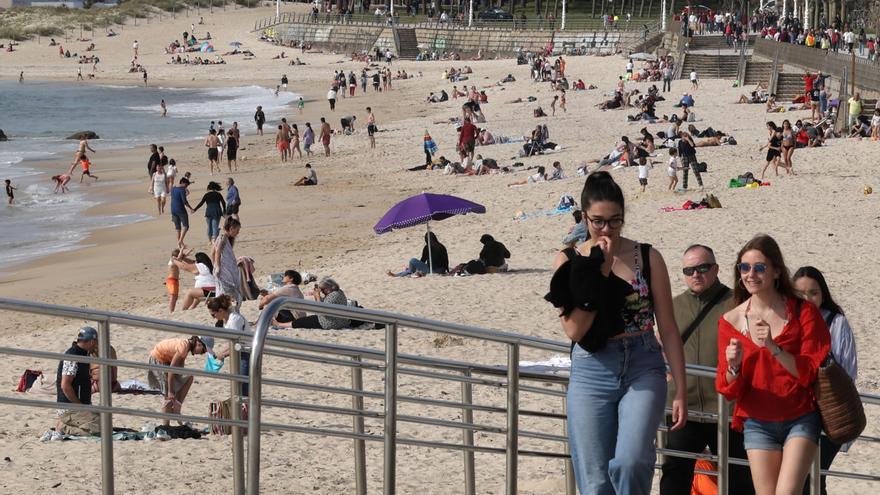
[693,75]
[875,121]
[331,95]
[237,322]
[672,170]
[643,171]
[536,178]
[629,66]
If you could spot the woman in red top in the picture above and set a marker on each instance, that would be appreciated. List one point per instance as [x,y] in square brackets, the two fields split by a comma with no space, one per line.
[769,349]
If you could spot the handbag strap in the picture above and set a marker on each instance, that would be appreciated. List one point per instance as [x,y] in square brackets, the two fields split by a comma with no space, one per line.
[702,314]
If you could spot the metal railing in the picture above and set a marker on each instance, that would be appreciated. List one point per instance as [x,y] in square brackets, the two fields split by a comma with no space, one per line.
[571,23]
[390,363]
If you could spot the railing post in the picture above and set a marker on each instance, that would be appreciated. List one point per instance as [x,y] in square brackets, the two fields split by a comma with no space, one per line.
[390,468]
[467,416]
[235,412]
[106,386]
[570,487]
[255,394]
[723,444]
[360,452]
[815,474]
[512,418]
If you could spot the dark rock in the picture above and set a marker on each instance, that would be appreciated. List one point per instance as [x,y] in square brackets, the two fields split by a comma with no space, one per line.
[2,136]
[84,134]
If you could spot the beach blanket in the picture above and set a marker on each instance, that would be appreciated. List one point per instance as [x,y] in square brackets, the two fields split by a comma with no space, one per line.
[520,215]
[136,387]
[740,182]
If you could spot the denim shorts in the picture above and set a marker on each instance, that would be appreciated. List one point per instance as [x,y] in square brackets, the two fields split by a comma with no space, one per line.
[772,435]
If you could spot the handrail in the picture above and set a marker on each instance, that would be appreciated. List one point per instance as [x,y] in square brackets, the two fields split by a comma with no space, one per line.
[390,363]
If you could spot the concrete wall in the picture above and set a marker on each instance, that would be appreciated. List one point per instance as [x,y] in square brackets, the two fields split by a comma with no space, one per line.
[350,38]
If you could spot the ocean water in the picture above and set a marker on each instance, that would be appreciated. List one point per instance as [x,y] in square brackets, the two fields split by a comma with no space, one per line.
[38,116]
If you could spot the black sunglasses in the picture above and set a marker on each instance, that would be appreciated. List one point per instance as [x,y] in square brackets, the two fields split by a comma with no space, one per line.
[701,268]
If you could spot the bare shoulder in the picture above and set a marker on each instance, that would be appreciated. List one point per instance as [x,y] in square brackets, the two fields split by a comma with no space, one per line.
[736,316]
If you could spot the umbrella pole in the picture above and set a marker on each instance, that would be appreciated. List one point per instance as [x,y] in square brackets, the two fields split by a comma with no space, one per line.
[430,258]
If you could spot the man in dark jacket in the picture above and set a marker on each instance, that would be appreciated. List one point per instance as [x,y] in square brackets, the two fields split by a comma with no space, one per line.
[73,382]
[701,347]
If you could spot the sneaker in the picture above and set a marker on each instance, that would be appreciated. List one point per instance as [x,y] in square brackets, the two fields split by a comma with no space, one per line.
[681,190]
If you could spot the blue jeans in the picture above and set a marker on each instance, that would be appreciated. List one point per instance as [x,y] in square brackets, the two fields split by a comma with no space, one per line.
[414,265]
[823,102]
[213,227]
[616,399]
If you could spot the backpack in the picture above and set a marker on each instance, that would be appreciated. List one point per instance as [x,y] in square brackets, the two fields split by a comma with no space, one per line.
[27,380]
[566,202]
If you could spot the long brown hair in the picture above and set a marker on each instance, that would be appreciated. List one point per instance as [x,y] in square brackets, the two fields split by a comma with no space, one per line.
[770,249]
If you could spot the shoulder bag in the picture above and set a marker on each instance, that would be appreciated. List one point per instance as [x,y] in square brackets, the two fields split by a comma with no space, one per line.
[838,401]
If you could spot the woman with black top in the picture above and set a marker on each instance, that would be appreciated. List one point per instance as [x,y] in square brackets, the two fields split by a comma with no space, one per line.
[433,260]
[215,208]
[609,291]
[231,151]
[774,148]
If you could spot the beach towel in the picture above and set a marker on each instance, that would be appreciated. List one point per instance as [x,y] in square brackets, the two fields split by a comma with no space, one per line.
[247,284]
[520,215]
[136,387]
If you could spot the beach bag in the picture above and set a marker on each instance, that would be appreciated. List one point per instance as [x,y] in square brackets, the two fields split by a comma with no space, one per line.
[841,409]
[222,409]
[27,380]
[701,167]
[566,202]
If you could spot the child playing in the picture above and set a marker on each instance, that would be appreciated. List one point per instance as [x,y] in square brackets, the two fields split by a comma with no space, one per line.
[672,170]
[301,104]
[644,168]
[172,282]
[85,163]
[10,191]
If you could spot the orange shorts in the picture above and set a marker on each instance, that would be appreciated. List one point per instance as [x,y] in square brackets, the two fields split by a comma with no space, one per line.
[173,286]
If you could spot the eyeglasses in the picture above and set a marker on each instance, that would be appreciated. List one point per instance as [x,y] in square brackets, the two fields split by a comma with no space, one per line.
[601,223]
[747,267]
[701,268]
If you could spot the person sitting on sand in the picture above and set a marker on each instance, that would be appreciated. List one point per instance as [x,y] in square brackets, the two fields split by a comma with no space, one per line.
[205,281]
[434,259]
[175,386]
[329,292]
[290,288]
[310,179]
[539,176]
[492,259]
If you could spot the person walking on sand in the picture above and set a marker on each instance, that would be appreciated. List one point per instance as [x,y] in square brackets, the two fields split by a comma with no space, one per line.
[331,98]
[86,165]
[83,146]
[260,119]
[179,215]
[10,191]
[225,262]
[308,139]
[325,136]
[301,104]
[79,74]
[695,85]
[371,128]
[233,199]
[163,107]
[553,105]
[145,77]
[212,142]
[134,48]
[159,188]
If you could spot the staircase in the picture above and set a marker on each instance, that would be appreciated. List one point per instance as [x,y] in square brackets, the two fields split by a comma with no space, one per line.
[868,107]
[757,72]
[712,42]
[407,44]
[710,66]
[789,86]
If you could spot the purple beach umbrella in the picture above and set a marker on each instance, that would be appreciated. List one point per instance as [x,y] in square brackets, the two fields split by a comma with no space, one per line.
[423,208]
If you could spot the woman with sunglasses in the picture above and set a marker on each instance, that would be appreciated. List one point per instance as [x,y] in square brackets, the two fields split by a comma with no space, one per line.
[609,291]
[222,309]
[770,347]
[810,284]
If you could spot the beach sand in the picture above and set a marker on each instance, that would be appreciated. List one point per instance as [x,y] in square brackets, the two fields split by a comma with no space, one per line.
[821,218]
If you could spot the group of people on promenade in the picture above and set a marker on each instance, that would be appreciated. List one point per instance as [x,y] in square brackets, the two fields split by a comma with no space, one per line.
[767,337]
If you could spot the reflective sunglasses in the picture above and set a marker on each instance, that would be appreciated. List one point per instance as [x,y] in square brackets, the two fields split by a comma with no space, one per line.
[701,268]
[747,267]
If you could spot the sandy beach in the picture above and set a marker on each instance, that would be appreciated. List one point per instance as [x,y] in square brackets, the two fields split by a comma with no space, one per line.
[820,217]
